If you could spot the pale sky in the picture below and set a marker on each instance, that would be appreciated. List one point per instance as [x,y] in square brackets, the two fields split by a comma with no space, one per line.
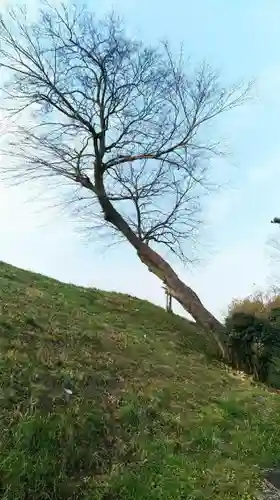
[242,39]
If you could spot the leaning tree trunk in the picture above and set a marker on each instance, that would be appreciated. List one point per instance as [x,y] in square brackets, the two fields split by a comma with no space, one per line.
[158,266]
[183,294]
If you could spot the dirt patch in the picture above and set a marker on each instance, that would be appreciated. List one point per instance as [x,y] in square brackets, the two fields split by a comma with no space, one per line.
[271,485]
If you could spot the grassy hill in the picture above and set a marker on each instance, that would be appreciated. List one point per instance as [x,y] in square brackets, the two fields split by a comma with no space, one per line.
[106,397]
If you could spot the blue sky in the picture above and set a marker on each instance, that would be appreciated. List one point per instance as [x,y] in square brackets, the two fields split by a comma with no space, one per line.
[242,40]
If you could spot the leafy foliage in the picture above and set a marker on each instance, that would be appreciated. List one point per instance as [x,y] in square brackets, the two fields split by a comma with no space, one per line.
[274,315]
[252,343]
[260,303]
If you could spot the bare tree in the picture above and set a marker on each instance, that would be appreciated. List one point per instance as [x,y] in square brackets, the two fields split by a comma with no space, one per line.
[123,121]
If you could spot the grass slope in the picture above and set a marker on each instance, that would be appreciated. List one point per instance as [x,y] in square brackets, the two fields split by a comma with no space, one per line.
[149,417]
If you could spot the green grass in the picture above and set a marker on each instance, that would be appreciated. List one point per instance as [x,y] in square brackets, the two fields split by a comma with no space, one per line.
[150,416]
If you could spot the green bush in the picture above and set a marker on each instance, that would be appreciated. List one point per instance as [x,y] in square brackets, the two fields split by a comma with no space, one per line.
[252,343]
[274,316]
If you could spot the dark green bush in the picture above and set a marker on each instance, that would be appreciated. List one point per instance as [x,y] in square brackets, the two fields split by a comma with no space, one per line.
[252,343]
[274,316]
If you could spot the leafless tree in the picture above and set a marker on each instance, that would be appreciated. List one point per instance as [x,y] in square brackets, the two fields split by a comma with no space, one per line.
[123,121]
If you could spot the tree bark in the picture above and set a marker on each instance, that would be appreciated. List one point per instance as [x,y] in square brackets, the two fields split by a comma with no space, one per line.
[184,295]
[160,268]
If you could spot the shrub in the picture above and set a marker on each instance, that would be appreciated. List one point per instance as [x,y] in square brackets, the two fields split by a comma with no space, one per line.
[260,304]
[274,315]
[252,343]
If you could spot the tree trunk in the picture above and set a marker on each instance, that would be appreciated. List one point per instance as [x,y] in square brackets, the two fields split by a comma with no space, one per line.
[183,294]
[158,266]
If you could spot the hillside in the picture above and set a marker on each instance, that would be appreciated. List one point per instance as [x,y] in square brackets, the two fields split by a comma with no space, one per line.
[107,397]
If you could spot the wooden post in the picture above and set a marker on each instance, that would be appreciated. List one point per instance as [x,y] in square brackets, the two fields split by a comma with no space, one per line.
[168,303]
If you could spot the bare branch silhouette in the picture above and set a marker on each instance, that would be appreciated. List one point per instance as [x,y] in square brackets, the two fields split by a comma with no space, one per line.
[123,121]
